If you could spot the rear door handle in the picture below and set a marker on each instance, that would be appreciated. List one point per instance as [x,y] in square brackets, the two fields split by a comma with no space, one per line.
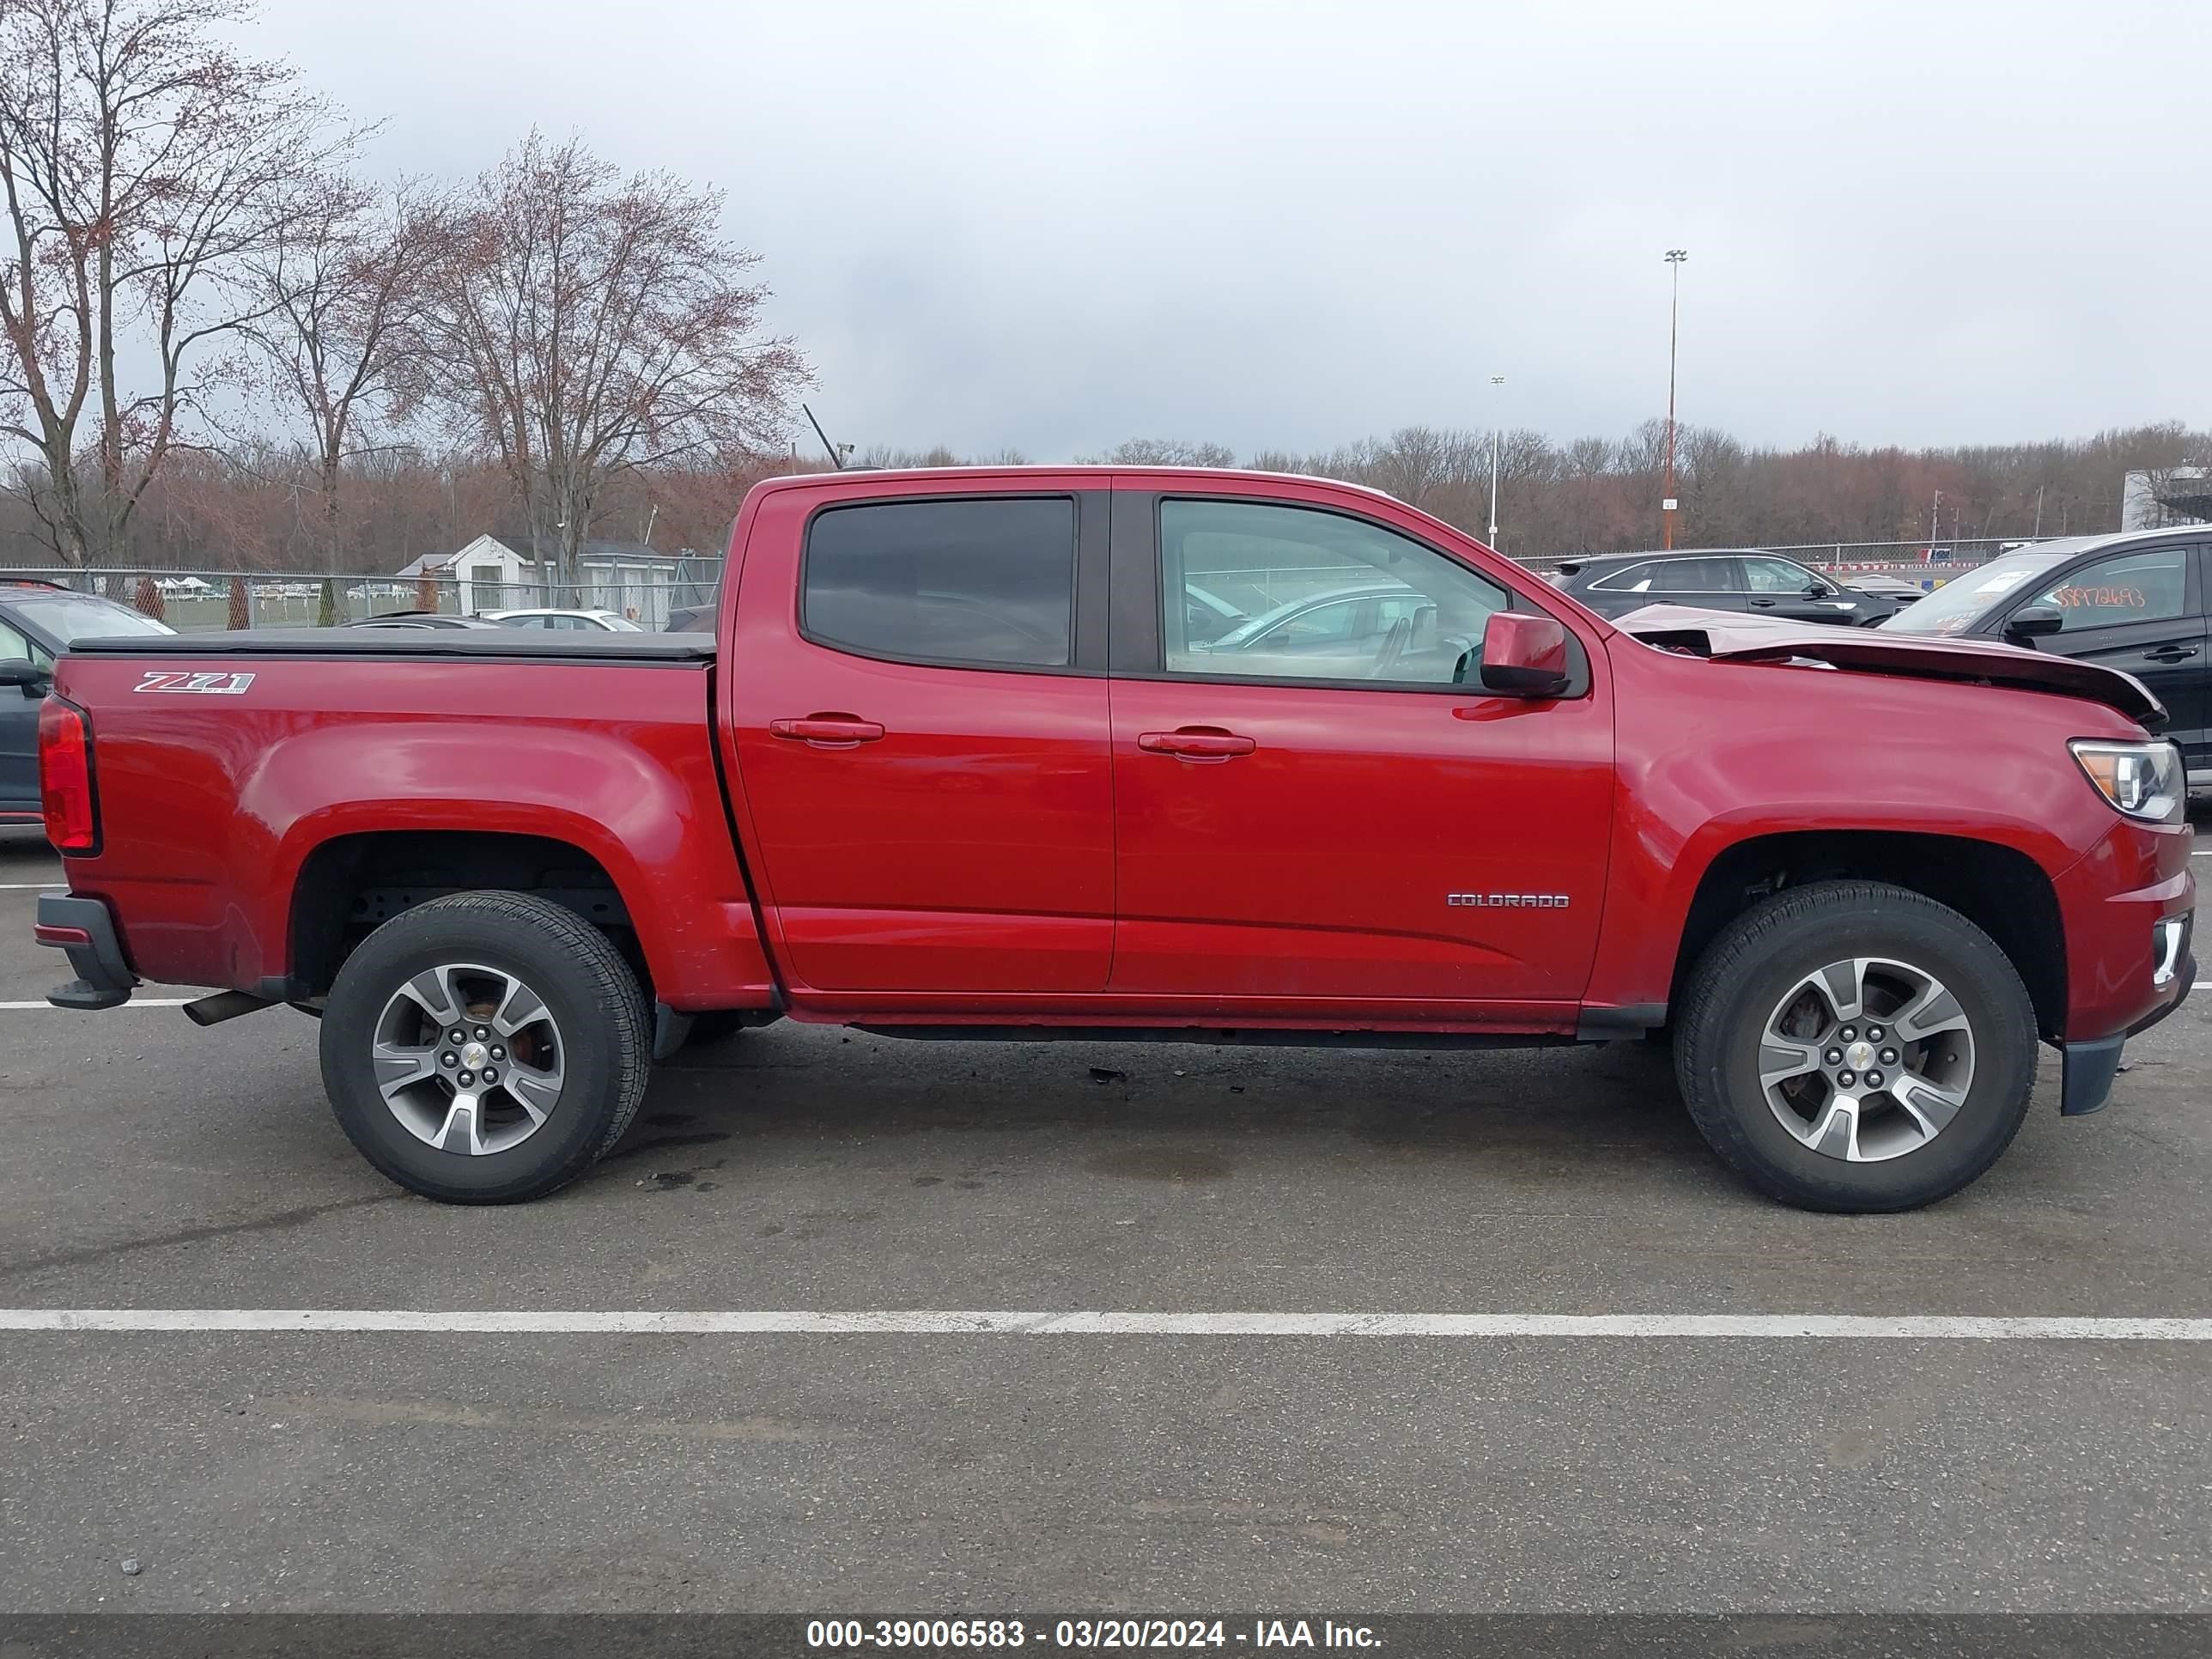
[2170,653]
[834,730]
[1196,743]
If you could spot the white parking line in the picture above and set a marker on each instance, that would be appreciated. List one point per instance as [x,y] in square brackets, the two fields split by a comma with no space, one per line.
[1760,1326]
[134,1002]
[33,887]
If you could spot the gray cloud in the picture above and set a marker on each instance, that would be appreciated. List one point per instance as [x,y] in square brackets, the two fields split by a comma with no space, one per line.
[1055,225]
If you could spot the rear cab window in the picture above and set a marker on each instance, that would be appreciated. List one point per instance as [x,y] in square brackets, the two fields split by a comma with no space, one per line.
[983,583]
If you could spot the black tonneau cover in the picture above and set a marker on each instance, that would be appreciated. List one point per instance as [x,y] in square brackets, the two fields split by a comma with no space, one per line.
[502,644]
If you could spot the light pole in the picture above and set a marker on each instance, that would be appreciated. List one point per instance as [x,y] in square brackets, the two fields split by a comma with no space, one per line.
[1495,380]
[1674,258]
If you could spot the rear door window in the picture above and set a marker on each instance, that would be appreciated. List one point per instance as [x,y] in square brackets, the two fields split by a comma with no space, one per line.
[981,583]
[1697,576]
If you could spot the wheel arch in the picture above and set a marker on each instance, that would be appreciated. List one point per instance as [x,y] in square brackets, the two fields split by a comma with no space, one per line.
[1999,888]
[349,883]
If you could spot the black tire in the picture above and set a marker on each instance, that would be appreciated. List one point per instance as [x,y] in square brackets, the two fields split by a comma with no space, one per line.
[605,1041]
[1736,986]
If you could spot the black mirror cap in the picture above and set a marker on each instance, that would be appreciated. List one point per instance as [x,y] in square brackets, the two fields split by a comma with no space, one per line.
[22,671]
[1525,655]
[1524,682]
[2033,621]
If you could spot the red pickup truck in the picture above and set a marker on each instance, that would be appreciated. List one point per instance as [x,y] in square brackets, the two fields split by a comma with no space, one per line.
[1182,755]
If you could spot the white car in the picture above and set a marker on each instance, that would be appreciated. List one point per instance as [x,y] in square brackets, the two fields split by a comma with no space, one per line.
[612,621]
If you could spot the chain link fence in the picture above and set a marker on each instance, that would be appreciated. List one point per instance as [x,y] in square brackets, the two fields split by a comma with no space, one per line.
[199,601]
[205,601]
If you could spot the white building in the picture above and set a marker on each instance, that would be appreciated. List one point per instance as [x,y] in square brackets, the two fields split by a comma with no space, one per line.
[491,574]
[2168,496]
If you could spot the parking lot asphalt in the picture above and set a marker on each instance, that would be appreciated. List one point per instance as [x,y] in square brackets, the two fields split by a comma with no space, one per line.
[151,1165]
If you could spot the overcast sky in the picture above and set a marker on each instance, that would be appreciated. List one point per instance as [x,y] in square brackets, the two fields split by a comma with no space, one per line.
[1055,225]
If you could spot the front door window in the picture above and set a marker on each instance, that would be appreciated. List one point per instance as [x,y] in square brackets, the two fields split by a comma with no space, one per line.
[1327,597]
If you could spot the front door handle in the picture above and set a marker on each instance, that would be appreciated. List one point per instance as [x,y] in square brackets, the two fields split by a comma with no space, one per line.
[828,731]
[2170,653]
[1762,605]
[1196,743]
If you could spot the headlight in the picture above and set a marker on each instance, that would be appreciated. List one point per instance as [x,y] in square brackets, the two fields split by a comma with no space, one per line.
[2145,780]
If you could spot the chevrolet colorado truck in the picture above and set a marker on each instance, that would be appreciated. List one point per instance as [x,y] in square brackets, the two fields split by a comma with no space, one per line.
[977,753]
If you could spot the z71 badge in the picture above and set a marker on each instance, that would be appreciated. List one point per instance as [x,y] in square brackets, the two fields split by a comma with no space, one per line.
[214,685]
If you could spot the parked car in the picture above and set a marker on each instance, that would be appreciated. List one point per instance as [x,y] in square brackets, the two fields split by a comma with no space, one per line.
[609,622]
[418,619]
[1206,614]
[689,619]
[961,773]
[38,621]
[1745,579]
[1368,630]
[1895,589]
[2136,603]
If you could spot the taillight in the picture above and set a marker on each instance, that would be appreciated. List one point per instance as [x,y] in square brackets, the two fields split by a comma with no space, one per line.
[65,777]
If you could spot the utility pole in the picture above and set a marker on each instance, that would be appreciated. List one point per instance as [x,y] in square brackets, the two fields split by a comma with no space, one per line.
[2039,510]
[1935,512]
[1674,258]
[1495,380]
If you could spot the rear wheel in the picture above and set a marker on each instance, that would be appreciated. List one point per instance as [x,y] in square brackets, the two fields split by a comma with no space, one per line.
[485,1047]
[1853,1046]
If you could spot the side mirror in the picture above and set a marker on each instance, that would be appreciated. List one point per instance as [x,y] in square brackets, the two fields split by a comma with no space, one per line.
[23,672]
[1524,656]
[1817,590]
[2034,621]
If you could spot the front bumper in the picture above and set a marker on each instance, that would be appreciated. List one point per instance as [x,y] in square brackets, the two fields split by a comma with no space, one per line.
[83,928]
[2091,1066]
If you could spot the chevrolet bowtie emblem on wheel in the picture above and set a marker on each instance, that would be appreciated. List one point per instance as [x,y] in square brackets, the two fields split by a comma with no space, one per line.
[1508,901]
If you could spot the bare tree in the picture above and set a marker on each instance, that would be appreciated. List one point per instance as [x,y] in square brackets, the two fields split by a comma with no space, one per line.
[1164,451]
[141,160]
[589,327]
[344,301]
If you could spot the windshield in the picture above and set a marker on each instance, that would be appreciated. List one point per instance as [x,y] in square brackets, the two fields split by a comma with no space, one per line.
[69,617]
[1955,606]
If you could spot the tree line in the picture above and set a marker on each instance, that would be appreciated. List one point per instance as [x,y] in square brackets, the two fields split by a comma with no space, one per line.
[221,347]
[1602,494]
[189,252]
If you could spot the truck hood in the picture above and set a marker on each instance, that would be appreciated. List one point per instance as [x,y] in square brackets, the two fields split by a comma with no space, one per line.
[1739,638]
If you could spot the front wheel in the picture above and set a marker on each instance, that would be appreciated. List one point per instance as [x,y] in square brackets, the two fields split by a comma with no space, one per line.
[1855,1047]
[485,1047]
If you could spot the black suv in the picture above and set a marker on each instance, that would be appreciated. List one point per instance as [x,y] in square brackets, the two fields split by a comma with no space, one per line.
[38,621]
[2136,602]
[1726,578]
